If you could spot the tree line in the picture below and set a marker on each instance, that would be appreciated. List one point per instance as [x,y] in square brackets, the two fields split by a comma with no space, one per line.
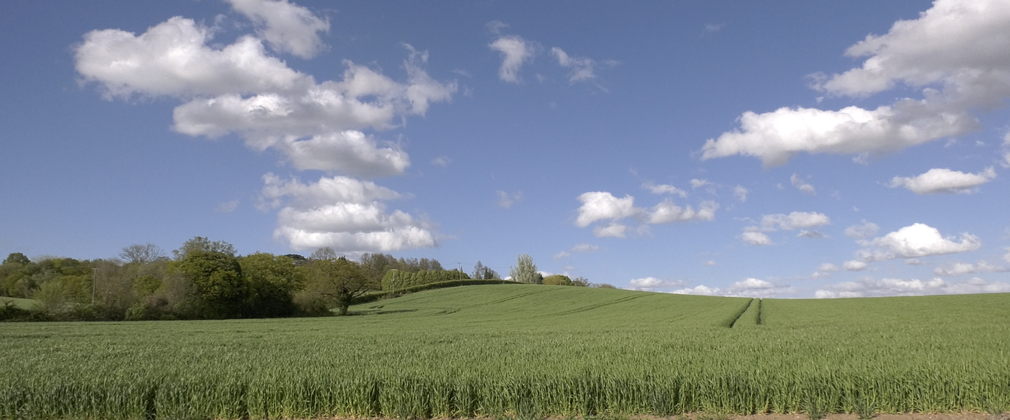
[206,279]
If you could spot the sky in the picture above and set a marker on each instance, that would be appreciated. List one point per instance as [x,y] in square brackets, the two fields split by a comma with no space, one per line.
[785,149]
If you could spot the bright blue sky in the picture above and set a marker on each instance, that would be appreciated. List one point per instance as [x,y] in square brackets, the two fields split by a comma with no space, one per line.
[789,149]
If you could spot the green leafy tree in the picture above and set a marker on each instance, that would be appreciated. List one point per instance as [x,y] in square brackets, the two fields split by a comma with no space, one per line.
[273,281]
[337,281]
[16,258]
[525,271]
[557,280]
[217,277]
[581,282]
[200,243]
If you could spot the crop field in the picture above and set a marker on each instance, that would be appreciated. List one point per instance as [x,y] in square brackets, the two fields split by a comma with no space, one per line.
[523,351]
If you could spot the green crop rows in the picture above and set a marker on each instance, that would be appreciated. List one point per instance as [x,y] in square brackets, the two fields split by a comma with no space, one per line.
[522,351]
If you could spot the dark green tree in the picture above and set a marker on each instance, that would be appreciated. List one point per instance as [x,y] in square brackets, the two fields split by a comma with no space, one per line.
[217,277]
[17,258]
[200,243]
[337,282]
[272,281]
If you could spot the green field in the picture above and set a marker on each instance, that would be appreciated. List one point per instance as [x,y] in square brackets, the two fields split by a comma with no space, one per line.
[523,351]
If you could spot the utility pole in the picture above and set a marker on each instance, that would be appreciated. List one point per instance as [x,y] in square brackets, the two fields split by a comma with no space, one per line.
[460,271]
[94,284]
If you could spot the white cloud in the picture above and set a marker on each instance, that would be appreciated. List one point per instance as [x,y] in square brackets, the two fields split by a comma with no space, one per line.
[343,213]
[599,205]
[1006,257]
[942,180]
[774,137]
[756,238]
[515,52]
[239,88]
[651,283]
[442,161]
[794,220]
[854,265]
[285,26]
[801,185]
[581,67]
[560,255]
[750,287]
[364,98]
[602,206]
[740,193]
[862,231]
[954,52]
[664,189]
[351,152]
[506,200]
[585,248]
[959,268]
[958,45]
[668,212]
[714,27]
[709,263]
[614,230]
[913,261]
[699,290]
[917,240]
[697,183]
[173,59]
[867,287]
[825,270]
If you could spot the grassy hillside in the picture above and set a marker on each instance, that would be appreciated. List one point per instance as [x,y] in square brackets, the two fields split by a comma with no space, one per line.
[523,351]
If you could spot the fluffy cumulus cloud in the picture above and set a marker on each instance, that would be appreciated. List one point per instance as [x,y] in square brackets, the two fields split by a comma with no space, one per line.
[651,283]
[750,287]
[599,205]
[774,137]
[915,241]
[756,238]
[343,213]
[515,51]
[286,27]
[954,52]
[604,206]
[942,180]
[960,268]
[239,88]
[869,286]
[173,58]
[855,265]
